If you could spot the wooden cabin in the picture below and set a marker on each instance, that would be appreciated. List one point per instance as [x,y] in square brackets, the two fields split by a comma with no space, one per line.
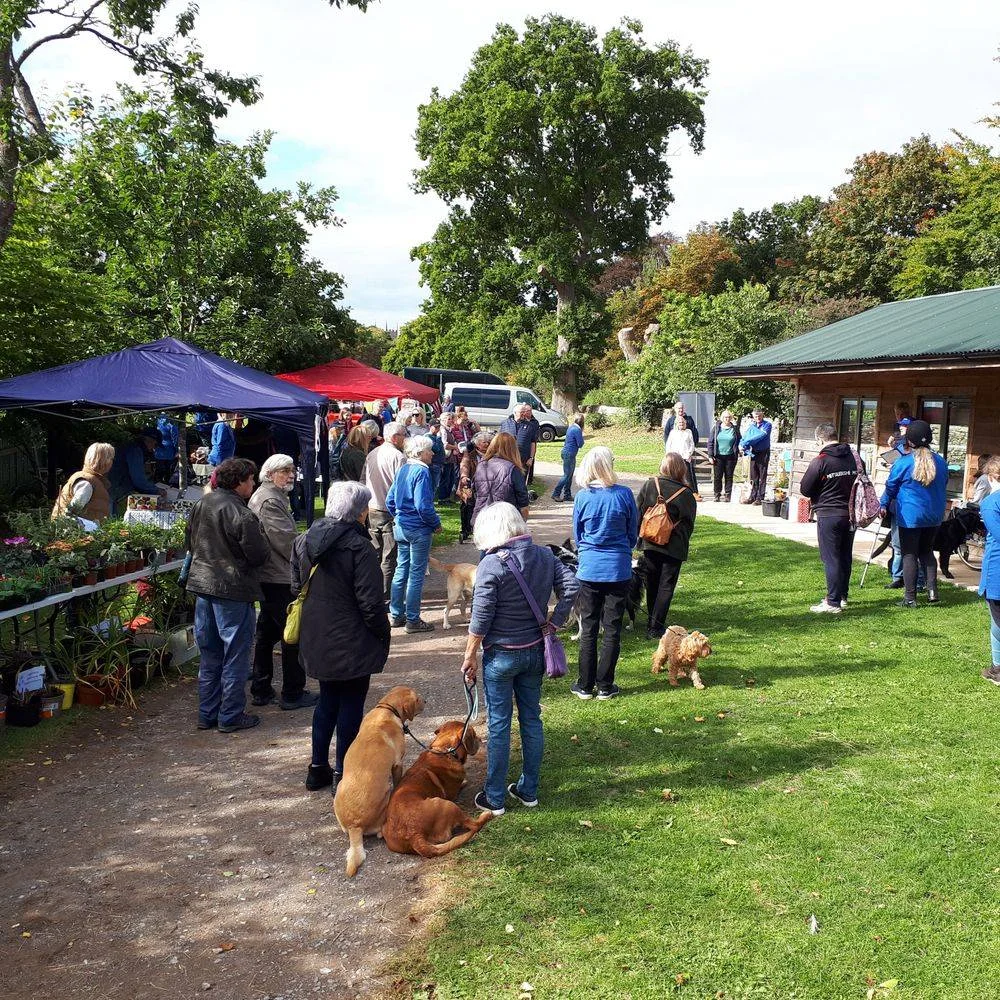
[940,354]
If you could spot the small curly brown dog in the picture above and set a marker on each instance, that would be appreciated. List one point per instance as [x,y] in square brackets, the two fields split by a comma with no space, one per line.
[680,650]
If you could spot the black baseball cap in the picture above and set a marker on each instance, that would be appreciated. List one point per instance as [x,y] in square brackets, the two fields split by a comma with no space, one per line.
[918,434]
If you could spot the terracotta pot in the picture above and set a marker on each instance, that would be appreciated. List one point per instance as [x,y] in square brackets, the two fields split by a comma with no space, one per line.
[90,579]
[87,694]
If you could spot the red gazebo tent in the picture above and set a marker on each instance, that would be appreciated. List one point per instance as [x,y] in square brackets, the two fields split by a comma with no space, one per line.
[350,379]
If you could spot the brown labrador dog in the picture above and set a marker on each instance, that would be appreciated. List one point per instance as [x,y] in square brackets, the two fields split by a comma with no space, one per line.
[422,818]
[372,765]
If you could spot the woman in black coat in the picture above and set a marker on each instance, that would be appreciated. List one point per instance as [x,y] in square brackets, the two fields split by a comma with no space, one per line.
[663,562]
[344,630]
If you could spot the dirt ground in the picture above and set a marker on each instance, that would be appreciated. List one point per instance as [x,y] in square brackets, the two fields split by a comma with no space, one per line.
[140,858]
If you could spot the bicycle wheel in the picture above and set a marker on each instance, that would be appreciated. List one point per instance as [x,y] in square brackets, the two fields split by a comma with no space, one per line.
[971,553]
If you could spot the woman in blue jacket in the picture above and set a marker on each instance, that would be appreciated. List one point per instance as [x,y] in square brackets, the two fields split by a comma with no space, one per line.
[410,500]
[989,577]
[606,529]
[917,486]
[571,447]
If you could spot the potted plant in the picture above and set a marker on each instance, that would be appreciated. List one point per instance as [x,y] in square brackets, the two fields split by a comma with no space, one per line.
[102,665]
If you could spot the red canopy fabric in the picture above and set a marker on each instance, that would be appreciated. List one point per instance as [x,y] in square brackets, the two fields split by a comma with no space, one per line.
[350,379]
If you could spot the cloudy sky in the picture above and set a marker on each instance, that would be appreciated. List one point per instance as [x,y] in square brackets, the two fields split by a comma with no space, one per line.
[796,91]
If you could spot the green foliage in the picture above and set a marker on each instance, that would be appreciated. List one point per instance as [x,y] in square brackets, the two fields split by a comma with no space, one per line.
[696,334]
[860,237]
[960,249]
[552,157]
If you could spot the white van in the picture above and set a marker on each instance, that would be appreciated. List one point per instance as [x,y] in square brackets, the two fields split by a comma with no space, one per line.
[490,405]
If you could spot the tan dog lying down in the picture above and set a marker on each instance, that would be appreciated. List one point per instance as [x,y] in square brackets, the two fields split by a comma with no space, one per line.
[422,818]
[681,650]
[461,581]
[372,765]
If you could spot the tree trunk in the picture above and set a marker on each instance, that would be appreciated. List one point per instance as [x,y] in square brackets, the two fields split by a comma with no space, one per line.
[9,154]
[564,391]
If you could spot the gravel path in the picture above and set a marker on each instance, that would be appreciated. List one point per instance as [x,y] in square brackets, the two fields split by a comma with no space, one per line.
[140,858]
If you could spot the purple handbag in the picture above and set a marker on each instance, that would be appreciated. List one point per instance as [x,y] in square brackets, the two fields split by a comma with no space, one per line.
[555,655]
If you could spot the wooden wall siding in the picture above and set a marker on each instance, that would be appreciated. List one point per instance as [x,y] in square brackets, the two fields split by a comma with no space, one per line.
[818,399]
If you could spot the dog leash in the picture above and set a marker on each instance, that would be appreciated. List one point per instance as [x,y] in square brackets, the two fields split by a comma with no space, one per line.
[471,699]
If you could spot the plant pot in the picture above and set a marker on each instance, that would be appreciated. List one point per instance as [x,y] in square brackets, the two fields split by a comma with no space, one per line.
[51,704]
[785,508]
[135,565]
[90,578]
[68,692]
[88,694]
[770,508]
[141,667]
[6,603]
[25,714]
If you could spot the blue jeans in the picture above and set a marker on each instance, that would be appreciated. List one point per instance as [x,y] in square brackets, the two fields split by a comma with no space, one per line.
[224,632]
[564,487]
[413,548]
[436,476]
[449,480]
[994,607]
[896,566]
[510,674]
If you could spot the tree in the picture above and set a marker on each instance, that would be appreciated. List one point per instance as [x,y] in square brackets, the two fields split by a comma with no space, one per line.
[698,261]
[173,225]
[555,147]
[861,236]
[960,249]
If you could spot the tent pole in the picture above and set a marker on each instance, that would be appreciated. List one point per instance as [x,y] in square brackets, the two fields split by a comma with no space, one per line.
[182,455]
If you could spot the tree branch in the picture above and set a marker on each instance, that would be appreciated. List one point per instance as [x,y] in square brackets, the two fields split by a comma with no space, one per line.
[68,32]
[28,105]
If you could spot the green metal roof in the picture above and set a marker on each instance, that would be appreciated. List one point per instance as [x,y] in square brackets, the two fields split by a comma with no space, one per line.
[934,330]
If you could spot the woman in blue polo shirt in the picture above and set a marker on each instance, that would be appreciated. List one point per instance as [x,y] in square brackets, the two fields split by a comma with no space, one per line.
[606,529]
[989,577]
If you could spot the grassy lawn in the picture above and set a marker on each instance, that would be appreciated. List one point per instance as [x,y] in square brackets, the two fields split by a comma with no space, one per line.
[635,450]
[843,767]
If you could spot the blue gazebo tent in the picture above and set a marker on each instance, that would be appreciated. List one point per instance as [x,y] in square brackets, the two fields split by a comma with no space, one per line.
[169,374]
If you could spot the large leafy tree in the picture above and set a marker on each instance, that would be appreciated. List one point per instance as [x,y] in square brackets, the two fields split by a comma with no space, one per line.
[554,148]
[174,226]
[960,249]
[858,242]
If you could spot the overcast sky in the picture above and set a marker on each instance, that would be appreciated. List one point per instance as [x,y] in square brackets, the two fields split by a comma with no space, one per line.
[796,91]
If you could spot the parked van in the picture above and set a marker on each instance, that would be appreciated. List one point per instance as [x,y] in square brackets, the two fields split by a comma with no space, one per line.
[490,405]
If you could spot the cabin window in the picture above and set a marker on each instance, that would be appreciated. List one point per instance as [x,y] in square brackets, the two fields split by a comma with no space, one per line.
[949,417]
[857,421]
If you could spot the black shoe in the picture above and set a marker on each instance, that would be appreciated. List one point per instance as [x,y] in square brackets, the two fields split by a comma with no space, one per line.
[260,700]
[906,604]
[932,597]
[524,800]
[480,803]
[582,693]
[305,700]
[319,776]
[717,498]
[243,721]
[398,622]
[652,633]
[419,626]
[612,691]
[895,584]
[207,723]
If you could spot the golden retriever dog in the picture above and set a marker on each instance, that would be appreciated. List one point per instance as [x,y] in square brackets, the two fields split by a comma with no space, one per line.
[681,650]
[461,581]
[422,818]
[372,765]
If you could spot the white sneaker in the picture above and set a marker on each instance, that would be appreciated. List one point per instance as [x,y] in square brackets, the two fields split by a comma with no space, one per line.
[825,609]
[843,604]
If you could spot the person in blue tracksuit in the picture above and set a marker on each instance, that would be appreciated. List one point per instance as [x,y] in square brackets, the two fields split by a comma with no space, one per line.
[917,485]
[223,440]
[571,448]
[989,577]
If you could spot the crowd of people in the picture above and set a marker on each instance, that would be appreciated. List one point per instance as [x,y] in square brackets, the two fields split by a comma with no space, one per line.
[362,566]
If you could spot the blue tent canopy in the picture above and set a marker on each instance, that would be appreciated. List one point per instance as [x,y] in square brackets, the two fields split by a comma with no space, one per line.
[168,374]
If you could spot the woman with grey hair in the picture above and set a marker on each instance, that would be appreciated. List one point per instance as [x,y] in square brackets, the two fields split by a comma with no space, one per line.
[410,501]
[506,628]
[270,503]
[344,634]
[466,489]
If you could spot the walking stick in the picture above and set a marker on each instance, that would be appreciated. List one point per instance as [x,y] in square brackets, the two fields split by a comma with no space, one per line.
[871,556]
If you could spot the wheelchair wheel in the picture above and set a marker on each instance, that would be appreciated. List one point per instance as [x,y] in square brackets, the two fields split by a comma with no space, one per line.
[971,552]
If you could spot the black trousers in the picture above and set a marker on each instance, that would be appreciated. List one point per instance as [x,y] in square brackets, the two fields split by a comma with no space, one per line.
[759,462]
[341,707]
[722,475]
[465,512]
[601,604]
[836,547]
[662,573]
[692,476]
[918,546]
[270,628]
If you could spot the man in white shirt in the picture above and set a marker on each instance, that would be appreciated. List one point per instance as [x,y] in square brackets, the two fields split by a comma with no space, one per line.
[381,467]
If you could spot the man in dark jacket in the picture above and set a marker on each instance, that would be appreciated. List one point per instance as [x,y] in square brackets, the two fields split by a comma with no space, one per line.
[344,631]
[679,411]
[828,482]
[227,546]
[523,426]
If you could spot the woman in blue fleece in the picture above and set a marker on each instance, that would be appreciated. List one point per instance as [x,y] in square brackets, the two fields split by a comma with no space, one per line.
[410,501]
[606,529]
